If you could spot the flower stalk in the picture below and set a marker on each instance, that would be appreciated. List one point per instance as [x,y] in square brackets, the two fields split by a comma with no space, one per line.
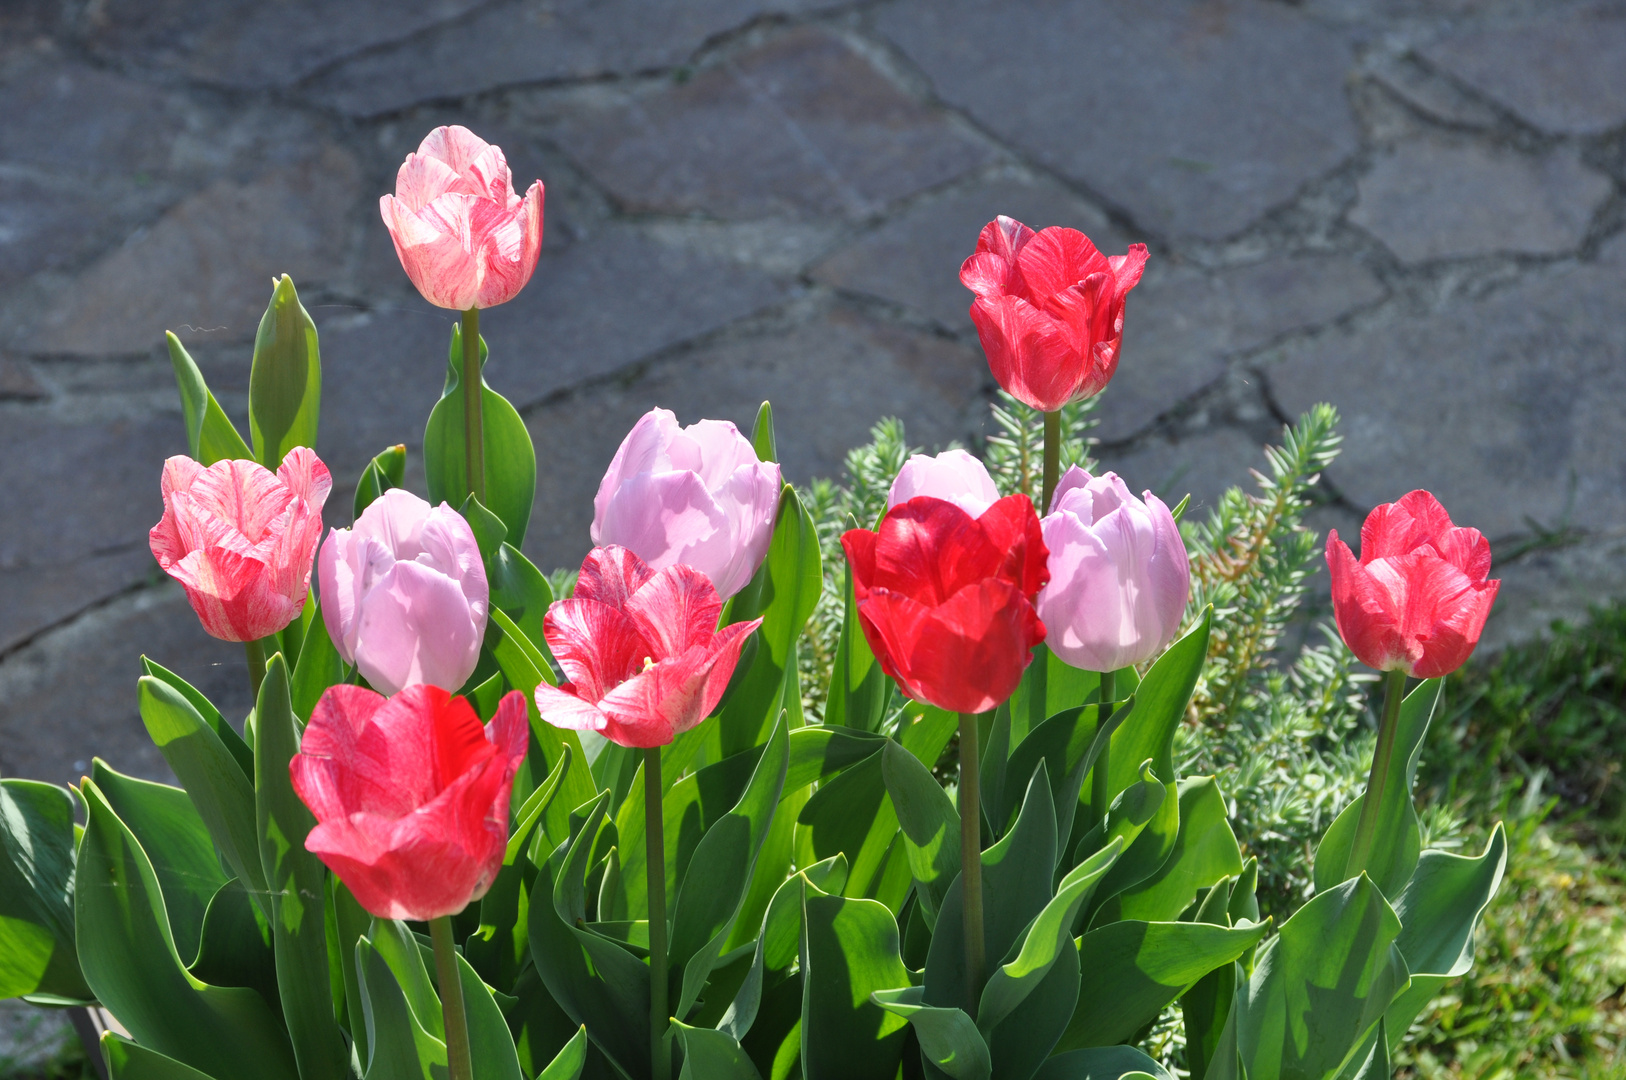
[971,858]
[1052,458]
[474,440]
[459,1065]
[1366,828]
[255,650]
[660,1061]
[1100,772]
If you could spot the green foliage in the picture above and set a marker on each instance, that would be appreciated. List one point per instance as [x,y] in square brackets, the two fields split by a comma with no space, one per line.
[1015,454]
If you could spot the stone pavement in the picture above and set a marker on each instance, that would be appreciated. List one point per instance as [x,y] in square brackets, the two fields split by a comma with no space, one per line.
[1411,208]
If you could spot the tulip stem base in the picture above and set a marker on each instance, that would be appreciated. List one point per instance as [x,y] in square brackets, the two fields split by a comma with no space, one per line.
[1101,771]
[255,651]
[1052,459]
[1366,827]
[660,1058]
[971,859]
[474,439]
[459,1064]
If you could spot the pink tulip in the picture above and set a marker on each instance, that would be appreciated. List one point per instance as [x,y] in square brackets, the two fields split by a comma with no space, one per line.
[410,795]
[1119,576]
[240,539]
[404,594]
[954,476]
[464,238]
[696,496]
[641,650]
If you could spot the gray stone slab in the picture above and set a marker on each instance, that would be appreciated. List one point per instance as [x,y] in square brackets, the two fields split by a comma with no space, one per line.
[1506,407]
[1429,199]
[1181,325]
[208,263]
[1562,71]
[30,1037]
[829,380]
[768,133]
[1554,583]
[914,257]
[1195,116]
[535,41]
[1202,466]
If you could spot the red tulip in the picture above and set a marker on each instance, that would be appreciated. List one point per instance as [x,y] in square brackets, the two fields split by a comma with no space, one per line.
[946,600]
[1417,600]
[1049,309]
[410,795]
[640,648]
[240,539]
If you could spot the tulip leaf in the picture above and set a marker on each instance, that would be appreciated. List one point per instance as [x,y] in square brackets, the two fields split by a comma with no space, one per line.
[928,731]
[1160,704]
[1049,686]
[994,737]
[205,708]
[859,689]
[1205,1008]
[234,948]
[491,1046]
[852,814]
[535,668]
[510,458]
[1023,1040]
[1205,851]
[350,924]
[285,381]
[127,1060]
[930,824]
[399,1047]
[521,592]
[1320,986]
[778,943]
[212,776]
[297,884]
[1137,968]
[718,874]
[1102,1063]
[398,947]
[567,1063]
[386,470]
[709,1054]
[849,950]
[37,947]
[1069,743]
[129,961]
[1147,816]
[1399,838]
[320,666]
[948,1038]
[819,752]
[210,436]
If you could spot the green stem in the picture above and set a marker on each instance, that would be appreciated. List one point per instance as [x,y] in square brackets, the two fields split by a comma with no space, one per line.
[1052,458]
[256,664]
[459,1066]
[474,442]
[1366,828]
[660,1059]
[971,858]
[1101,778]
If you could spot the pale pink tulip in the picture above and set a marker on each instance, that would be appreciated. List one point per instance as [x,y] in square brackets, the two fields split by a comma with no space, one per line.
[240,539]
[1119,576]
[464,238]
[954,476]
[404,594]
[694,496]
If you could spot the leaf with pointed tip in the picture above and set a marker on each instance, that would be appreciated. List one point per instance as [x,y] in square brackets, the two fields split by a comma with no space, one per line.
[210,436]
[1049,686]
[285,379]
[567,1064]
[320,666]
[930,824]
[853,814]
[400,1047]
[849,950]
[127,1060]
[1160,703]
[240,750]
[1205,851]
[491,1046]
[1102,1063]
[948,1037]
[37,948]
[386,470]
[709,1054]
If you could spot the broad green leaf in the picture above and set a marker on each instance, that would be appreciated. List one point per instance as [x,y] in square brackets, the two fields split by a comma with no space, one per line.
[996,752]
[709,1054]
[399,1047]
[1137,968]
[320,666]
[948,1037]
[37,950]
[129,961]
[351,925]
[205,708]
[926,731]
[210,436]
[542,1032]
[510,459]
[491,1047]
[859,689]
[849,950]
[1021,1042]
[398,947]
[818,753]
[1204,1009]
[285,381]
[297,884]
[1321,985]
[1102,1063]
[930,824]
[852,814]
[1069,743]
[386,470]
[779,942]
[774,865]
[1371,1061]
[762,436]
[1049,686]
[1205,851]
[521,592]
[1147,815]
[235,946]
[1160,704]
[567,1064]
[1399,838]
[212,776]
[131,1061]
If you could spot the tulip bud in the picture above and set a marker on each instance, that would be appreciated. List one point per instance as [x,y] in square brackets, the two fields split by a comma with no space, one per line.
[404,593]
[1119,575]
[695,495]
[953,475]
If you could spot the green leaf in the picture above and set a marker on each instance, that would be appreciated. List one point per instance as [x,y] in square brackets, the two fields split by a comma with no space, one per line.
[521,592]
[1205,851]
[709,1054]
[1137,968]
[996,753]
[927,731]
[1204,1009]
[510,459]
[1147,815]
[37,949]
[948,1037]
[386,470]
[567,1064]
[399,1046]
[491,1047]
[320,666]
[285,382]
[818,753]
[1321,985]
[235,946]
[779,942]
[205,708]
[762,437]
[211,775]
[297,884]
[131,1061]
[129,961]
[1049,686]
[1160,704]
[930,824]
[1102,1063]
[849,950]
[210,436]
[1069,743]
[852,814]
[859,689]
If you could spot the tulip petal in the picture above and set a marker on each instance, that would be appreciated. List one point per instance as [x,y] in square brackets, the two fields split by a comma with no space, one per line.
[319,771]
[1012,528]
[560,706]
[859,546]
[928,548]
[655,706]
[416,627]
[597,646]
[1128,267]
[639,452]
[1027,353]
[610,574]
[304,474]
[992,275]
[675,610]
[953,475]
[966,655]
[1058,258]
[1368,615]
[1400,527]
[1004,236]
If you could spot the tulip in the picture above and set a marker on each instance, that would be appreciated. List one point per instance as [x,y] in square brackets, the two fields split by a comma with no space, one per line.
[640,649]
[693,495]
[404,594]
[1119,575]
[410,795]
[945,599]
[240,539]
[1049,310]
[1417,599]
[953,475]
[463,236]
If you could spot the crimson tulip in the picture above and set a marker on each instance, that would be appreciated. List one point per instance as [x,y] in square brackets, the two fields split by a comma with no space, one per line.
[946,599]
[1049,309]
[1417,599]
[240,539]
[410,795]
[640,648]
